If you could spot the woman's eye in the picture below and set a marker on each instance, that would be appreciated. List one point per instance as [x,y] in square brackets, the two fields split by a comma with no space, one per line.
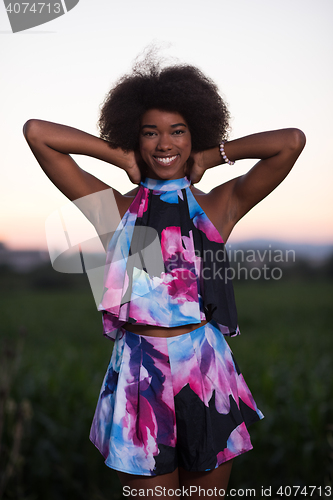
[148,134]
[178,132]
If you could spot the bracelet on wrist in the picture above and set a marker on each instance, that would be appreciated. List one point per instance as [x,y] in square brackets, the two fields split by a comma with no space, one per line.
[224,156]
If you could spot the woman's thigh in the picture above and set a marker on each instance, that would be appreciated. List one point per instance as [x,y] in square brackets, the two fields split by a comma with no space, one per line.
[178,484]
[151,487]
[216,480]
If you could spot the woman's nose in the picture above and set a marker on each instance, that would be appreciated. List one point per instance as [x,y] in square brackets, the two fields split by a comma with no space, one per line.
[164,142]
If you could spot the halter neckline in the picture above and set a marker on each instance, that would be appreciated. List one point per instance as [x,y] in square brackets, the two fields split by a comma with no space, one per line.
[166,185]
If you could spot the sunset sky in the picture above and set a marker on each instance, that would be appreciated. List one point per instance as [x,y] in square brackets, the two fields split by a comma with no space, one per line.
[272,60]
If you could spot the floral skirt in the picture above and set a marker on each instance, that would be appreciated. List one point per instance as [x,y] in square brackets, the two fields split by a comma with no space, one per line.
[169,402]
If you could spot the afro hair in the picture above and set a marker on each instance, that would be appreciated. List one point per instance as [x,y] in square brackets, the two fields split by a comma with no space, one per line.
[180,88]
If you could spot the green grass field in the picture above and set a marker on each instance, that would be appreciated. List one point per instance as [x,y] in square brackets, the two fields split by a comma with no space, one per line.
[58,356]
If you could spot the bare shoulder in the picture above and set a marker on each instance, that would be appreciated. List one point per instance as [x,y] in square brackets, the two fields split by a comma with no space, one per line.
[218,194]
[217,206]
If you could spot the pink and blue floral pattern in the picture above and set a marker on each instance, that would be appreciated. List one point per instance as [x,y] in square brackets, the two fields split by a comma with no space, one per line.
[164,265]
[169,402]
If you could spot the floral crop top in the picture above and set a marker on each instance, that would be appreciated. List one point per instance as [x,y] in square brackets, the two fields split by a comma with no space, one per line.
[166,264]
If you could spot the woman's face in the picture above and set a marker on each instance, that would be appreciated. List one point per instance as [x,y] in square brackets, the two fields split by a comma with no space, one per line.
[165,144]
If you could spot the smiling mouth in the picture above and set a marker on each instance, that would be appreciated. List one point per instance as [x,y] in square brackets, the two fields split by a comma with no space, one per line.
[165,160]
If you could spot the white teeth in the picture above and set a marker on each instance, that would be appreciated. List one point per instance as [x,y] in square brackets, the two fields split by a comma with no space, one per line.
[164,160]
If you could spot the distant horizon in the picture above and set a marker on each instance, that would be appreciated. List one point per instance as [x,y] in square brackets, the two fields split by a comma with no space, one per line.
[260,240]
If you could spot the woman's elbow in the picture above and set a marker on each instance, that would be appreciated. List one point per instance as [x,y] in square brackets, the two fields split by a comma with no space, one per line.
[296,140]
[31,129]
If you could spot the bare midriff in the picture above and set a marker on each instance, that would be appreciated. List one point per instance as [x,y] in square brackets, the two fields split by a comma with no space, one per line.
[158,331]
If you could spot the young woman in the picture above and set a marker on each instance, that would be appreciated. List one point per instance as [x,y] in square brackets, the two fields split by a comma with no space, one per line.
[174,408]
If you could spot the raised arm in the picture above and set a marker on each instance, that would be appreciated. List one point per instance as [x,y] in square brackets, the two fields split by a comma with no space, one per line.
[52,145]
[277,150]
